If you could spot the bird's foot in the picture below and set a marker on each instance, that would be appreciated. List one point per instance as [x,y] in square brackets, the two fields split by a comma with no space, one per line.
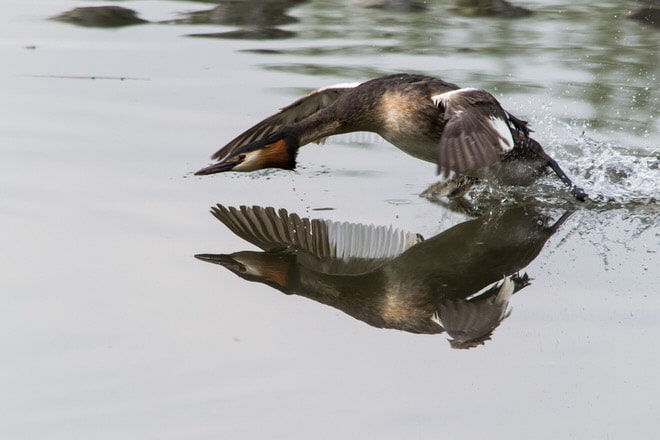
[579,193]
[453,188]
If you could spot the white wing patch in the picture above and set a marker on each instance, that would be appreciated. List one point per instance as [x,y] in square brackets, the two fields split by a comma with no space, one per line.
[444,98]
[339,86]
[506,290]
[356,240]
[502,128]
[436,318]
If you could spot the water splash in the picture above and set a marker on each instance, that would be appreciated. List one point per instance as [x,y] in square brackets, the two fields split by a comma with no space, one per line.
[618,177]
[622,213]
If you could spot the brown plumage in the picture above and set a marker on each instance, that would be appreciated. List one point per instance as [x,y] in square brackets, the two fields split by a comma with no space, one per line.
[463,131]
[391,278]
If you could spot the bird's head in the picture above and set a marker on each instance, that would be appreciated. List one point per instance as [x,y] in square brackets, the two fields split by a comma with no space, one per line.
[275,269]
[278,150]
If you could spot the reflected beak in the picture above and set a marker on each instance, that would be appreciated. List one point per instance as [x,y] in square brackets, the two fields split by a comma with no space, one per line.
[225,165]
[223,260]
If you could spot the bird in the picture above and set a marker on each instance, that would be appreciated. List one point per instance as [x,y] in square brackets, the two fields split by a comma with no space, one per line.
[465,131]
[459,281]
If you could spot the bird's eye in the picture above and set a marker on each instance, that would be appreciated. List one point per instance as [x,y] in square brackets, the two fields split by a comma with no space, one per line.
[241,156]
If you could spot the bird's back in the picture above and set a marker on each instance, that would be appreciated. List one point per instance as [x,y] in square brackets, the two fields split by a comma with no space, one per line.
[403,112]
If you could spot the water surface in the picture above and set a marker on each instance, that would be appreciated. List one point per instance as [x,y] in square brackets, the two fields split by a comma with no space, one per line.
[111,328]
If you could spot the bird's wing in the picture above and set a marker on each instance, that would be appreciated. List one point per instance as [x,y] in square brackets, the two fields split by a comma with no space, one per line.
[333,246]
[292,113]
[471,322]
[477,130]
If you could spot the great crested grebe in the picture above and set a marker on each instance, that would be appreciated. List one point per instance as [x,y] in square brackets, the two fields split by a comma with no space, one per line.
[459,281]
[465,131]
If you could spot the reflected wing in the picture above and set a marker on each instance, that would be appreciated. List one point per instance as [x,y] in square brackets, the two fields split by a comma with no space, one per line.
[477,130]
[334,247]
[297,111]
[471,322]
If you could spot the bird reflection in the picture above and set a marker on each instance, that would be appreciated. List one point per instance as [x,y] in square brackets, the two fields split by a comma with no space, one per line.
[459,281]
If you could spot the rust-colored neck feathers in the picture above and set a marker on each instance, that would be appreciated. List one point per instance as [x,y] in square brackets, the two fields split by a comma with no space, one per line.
[279,154]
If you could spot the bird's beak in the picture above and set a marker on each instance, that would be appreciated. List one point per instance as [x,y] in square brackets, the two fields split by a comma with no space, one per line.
[223,260]
[225,165]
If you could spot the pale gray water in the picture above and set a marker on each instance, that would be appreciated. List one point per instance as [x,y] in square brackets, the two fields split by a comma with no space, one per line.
[109,328]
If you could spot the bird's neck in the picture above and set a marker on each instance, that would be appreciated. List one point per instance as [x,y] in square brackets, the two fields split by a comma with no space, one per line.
[319,126]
